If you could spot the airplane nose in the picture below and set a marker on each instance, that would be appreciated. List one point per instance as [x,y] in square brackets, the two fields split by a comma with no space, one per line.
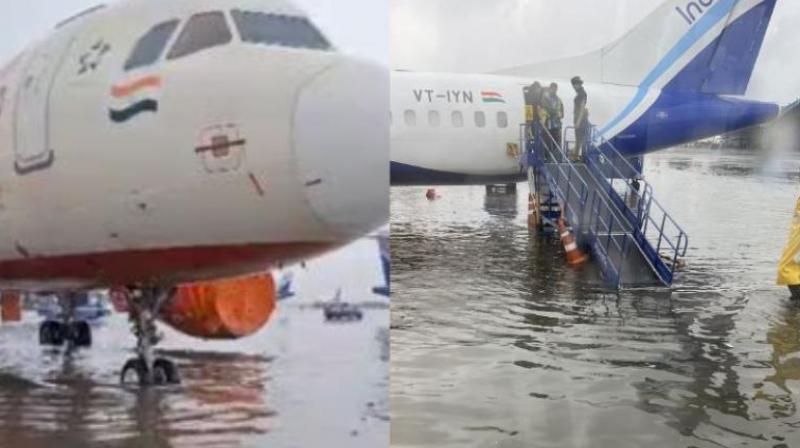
[341,141]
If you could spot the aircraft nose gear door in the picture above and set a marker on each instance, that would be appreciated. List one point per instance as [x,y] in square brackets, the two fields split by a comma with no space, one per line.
[32,117]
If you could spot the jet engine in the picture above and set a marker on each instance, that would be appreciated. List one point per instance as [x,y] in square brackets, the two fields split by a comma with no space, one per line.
[224,309]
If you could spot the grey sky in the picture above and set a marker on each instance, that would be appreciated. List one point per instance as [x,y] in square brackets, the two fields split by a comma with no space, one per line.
[483,36]
[358,27]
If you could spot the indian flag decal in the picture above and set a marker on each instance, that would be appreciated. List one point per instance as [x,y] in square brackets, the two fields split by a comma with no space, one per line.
[492,97]
[133,97]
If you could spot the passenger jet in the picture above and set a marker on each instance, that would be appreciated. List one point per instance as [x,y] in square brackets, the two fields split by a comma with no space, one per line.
[158,147]
[678,76]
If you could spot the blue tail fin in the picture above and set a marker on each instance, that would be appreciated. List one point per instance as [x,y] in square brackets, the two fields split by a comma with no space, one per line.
[724,67]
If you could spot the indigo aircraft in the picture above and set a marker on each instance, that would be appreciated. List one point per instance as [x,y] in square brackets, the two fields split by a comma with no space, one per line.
[678,76]
[174,152]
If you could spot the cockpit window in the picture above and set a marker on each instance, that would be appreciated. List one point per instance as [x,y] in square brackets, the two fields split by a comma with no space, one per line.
[281,30]
[150,46]
[203,31]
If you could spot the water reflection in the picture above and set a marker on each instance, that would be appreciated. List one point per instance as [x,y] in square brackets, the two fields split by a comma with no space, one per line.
[222,398]
[497,342]
[775,391]
[501,206]
[267,390]
[704,371]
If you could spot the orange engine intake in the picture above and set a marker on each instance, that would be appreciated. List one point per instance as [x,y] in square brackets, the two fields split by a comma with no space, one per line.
[224,309]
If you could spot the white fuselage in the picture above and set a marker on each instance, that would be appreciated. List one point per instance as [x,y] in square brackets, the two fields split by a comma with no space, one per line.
[250,158]
[462,145]
[679,75]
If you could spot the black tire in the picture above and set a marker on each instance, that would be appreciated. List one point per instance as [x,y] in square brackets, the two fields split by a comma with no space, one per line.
[51,333]
[134,366]
[166,371]
[81,334]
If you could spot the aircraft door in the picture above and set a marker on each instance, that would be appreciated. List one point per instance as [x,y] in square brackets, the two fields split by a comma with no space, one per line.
[32,149]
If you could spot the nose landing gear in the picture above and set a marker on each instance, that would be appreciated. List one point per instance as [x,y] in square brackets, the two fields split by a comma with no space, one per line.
[146,369]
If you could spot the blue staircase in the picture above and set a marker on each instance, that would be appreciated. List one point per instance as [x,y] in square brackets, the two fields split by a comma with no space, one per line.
[611,210]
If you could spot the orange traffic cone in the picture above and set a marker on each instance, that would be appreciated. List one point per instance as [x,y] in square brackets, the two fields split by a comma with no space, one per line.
[533,213]
[574,255]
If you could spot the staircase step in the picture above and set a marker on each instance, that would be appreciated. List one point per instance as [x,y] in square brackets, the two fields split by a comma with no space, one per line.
[600,216]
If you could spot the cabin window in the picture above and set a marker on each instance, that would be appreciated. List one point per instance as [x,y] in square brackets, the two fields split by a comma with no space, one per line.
[281,30]
[502,120]
[203,31]
[150,47]
[480,119]
[410,117]
[457,118]
[434,119]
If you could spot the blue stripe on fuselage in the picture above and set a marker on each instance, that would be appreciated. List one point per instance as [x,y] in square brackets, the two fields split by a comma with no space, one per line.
[698,30]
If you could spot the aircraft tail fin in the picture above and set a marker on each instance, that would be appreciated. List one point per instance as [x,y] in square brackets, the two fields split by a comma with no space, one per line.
[708,46]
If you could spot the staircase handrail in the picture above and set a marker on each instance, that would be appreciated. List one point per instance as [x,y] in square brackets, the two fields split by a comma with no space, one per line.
[567,174]
[645,202]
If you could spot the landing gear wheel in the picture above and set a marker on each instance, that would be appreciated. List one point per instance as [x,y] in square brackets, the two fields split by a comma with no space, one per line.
[146,369]
[80,333]
[135,372]
[167,370]
[51,333]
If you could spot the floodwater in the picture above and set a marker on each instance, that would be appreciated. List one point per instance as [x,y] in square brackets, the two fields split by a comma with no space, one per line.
[297,383]
[496,342]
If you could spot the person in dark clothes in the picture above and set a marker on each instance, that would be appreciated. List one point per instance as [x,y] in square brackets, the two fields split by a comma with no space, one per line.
[533,109]
[580,118]
[555,113]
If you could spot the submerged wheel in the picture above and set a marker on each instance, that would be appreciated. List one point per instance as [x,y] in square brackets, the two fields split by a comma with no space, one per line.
[167,371]
[80,334]
[51,333]
[795,291]
[135,372]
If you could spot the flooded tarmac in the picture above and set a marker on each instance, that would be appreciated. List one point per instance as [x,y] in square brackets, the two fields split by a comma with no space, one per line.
[496,342]
[299,382]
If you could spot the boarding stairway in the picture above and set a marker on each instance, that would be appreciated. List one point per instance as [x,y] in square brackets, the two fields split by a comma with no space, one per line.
[630,235]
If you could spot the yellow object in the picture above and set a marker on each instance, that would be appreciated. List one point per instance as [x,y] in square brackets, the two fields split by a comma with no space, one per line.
[528,113]
[543,116]
[512,150]
[789,266]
